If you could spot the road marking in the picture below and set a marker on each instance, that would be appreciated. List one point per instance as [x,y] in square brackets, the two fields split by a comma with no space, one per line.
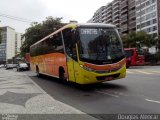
[152,101]
[149,72]
[154,71]
[108,94]
[129,72]
[143,72]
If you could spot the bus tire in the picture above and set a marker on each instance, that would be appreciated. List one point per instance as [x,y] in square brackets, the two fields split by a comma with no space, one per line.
[62,75]
[37,71]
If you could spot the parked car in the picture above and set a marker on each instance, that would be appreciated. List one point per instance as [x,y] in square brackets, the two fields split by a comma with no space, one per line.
[2,66]
[22,66]
[15,65]
[9,66]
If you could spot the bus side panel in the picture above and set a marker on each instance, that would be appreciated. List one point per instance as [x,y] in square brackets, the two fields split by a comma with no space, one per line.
[49,63]
[32,64]
[37,61]
[59,61]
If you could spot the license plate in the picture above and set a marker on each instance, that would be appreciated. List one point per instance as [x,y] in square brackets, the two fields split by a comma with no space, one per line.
[108,78]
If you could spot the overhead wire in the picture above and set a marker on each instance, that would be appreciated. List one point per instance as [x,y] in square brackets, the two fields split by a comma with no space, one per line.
[15,18]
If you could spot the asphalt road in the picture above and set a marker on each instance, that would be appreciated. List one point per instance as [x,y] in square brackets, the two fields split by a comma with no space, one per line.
[138,93]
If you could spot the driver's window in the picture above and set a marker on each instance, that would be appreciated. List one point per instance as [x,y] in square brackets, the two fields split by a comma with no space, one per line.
[70,44]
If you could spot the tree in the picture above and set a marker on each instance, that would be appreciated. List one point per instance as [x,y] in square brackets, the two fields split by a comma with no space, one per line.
[0,36]
[158,43]
[37,31]
[138,39]
[130,39]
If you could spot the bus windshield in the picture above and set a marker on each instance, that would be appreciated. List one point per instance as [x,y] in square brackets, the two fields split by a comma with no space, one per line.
[100,45]
[128,53]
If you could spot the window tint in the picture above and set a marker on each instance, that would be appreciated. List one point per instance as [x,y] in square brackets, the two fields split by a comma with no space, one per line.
[69,37]
[50,45]
[128,53]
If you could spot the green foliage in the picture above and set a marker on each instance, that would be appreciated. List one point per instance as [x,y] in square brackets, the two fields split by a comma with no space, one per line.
[158,43]
[37,31]
[138,39]
[0,36]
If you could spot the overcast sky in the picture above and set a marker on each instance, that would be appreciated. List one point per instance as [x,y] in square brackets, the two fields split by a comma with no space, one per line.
[38,10]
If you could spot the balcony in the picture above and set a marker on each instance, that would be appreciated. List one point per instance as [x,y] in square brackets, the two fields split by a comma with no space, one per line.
[104,18]
[124,28]
[124,18]
[132,12]
[132,25]
[117,22]
[109,15]
[124,11]
[109,11]
[123,4]
[131,6]
[131,1]
[116,11]
[109,20]
[132,15]
[115,2]
[109,6]
[116,7]
[116,16]
[104,14]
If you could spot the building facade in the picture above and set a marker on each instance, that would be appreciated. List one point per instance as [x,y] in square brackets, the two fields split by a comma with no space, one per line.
[147,14]
[128,16]
[98,15]
[116,13]
[18,42]
[121,13]
[109,18]
[11,42]
[131,15]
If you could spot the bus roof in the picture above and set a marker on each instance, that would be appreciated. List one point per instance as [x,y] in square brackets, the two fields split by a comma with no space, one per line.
[74,25]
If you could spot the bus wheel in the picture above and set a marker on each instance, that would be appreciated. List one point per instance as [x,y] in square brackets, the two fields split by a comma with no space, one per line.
[37,71]
[62,75]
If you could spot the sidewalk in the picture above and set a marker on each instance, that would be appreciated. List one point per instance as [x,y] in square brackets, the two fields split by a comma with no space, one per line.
[20,95]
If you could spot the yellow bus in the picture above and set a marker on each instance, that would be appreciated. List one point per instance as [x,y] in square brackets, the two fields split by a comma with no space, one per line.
[81,53]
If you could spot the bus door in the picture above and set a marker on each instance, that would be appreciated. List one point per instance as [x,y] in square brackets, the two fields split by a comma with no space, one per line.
[70,67]
[70,50]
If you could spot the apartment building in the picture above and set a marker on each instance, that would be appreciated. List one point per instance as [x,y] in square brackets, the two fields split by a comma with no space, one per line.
[98,15]
[109,14]
[147,16]
[118,12]
[11,42]
[18,42]
[128,16]
[109,18]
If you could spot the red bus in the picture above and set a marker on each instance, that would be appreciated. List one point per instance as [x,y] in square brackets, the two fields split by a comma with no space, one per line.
[27,59]
[134,57]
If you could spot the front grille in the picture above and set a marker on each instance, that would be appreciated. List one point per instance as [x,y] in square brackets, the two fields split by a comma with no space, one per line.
[114,76]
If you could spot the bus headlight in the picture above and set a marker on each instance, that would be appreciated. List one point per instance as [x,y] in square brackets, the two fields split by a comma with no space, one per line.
[87,68]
